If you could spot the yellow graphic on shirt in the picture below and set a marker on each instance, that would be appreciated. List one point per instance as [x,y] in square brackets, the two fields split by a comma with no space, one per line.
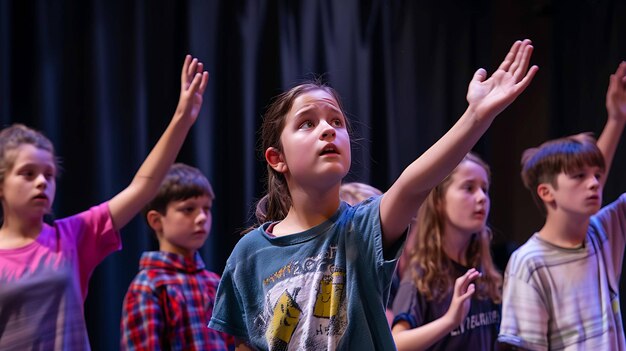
[284,320]
[329,295]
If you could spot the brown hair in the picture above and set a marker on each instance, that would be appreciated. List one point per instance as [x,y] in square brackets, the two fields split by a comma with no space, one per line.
[431,268]
[181,182]
[13,137]
[275,204]
[541,165]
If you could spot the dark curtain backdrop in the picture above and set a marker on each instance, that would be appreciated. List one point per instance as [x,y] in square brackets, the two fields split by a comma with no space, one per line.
[101,79]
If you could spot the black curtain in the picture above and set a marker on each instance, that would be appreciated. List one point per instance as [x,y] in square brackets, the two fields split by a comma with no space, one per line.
[101,79]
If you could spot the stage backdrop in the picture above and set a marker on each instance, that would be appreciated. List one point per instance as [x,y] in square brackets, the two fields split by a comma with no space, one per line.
[101,79]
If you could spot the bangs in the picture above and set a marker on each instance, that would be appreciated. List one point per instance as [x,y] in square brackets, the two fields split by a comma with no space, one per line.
[187,191]
[566,155]
[583,156]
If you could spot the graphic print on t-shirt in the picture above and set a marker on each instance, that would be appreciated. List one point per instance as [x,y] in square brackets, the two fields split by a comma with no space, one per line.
[305,305]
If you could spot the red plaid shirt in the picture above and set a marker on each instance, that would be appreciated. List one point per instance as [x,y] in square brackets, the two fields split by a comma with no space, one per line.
[169,304]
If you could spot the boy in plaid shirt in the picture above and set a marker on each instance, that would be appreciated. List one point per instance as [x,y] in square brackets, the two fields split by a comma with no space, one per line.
[169,303]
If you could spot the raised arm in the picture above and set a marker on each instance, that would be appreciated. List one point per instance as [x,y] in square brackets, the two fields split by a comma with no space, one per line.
[125,205]
[486,98]
[422,337]
[616,119]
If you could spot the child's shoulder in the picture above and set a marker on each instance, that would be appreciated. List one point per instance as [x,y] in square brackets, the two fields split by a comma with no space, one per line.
[531,255]
[251,241]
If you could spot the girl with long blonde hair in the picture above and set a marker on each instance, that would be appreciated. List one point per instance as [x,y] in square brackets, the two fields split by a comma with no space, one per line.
[443,302]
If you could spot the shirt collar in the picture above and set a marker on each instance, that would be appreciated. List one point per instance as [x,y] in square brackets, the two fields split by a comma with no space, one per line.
[161,259]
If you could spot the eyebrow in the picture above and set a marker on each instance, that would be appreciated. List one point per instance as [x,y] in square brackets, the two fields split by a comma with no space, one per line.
[474,180]
[34,164]
[313,105]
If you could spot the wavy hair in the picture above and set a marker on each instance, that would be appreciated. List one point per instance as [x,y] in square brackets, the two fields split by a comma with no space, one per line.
[15,136]
[430,267]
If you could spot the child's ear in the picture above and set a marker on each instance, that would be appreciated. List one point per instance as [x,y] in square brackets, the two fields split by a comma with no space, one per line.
[544,191]
[154,220]
[275,159]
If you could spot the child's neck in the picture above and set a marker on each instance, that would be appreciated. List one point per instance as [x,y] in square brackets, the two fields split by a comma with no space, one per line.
[455,246]
[308,209]
[16,233]
[167,247]
[563,230]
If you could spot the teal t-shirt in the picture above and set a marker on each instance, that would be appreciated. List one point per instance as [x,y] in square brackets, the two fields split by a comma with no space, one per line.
[322,289]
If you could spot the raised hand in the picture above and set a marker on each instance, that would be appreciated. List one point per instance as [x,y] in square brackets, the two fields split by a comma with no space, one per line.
[616,94]
[125,205]
[488,97]
[461,296]
[193,82]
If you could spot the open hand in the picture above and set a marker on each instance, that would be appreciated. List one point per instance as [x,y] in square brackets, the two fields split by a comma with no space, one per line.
[193,82]
[488,97]
[461,296]
[616,93]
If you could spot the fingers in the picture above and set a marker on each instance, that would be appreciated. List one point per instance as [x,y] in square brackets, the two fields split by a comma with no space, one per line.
[521,86]
[517,60]
[617,80]
[510,57]
[183,73]
[193,66]
[195,83]
[620,75]
[621,70]
[199,82]
[193,75]
[470,291]
[522,60]
[462,283]
[203,82]
[480,75]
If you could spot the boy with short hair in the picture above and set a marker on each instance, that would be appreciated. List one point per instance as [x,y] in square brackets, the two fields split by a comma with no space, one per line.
[169,303]
[561,288]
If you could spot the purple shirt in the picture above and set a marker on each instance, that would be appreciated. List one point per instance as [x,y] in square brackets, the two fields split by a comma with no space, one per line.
[43,285]
[478,331]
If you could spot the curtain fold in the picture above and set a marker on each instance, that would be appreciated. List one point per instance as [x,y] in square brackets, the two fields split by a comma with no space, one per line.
[101,79]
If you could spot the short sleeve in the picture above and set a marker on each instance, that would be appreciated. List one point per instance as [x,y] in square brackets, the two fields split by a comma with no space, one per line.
[94,236]
[524,316]
[228,312]
[406,306]
[369,241]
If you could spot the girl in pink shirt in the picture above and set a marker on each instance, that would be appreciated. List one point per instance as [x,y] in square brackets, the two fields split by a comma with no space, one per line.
[45,269]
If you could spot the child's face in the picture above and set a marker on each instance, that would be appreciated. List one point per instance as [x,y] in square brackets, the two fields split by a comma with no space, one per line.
[466,200]
[185,225]
[29,186]
[315,140]
[578,192]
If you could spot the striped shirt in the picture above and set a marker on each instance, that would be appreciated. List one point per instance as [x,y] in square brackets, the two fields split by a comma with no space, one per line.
[568,299]
[169,304]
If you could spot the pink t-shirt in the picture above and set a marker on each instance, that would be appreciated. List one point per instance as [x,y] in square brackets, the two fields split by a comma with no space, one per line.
[43,285]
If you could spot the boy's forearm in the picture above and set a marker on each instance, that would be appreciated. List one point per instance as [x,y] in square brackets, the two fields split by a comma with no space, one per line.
[609,140]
